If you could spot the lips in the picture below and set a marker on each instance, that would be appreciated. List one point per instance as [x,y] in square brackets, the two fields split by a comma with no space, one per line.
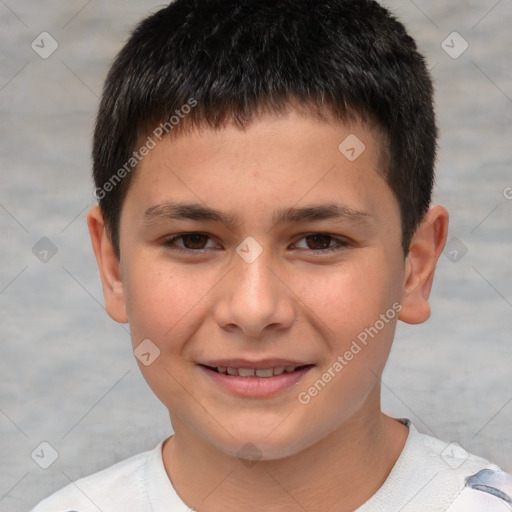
[257,365]
[254,372]
[255,379]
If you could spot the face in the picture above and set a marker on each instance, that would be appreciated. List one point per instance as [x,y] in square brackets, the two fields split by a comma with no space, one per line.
[266,268]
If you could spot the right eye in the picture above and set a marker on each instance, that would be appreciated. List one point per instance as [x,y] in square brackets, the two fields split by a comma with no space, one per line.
[190,242]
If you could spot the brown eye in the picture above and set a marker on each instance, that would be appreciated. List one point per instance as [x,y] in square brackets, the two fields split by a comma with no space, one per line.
[194,240]
[318,241]
[191,242]
[321,243]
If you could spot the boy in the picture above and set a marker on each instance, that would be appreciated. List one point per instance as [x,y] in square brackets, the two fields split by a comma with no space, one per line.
[264,173]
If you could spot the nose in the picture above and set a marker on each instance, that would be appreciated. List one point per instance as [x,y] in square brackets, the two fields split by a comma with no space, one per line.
[254,300]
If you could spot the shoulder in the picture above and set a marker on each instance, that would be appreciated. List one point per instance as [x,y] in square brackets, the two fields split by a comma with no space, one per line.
[432,475]
[118,487]
[489,490]
[471,483]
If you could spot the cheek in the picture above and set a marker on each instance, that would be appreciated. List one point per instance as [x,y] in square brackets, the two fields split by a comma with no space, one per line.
[358,312]
[159,296]
[161,302]
[350,297]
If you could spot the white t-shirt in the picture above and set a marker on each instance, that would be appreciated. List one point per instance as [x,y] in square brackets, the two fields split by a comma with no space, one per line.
[429,476]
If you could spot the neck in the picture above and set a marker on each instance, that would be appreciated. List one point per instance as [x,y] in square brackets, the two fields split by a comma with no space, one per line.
[333,474]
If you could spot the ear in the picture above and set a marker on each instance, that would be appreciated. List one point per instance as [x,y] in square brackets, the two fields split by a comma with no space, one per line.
[426,247]
[109,266]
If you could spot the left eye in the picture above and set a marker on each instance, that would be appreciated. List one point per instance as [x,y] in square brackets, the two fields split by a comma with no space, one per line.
[321,242]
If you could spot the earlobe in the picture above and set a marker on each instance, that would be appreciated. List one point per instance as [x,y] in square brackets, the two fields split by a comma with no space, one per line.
[426,247]
[108,265]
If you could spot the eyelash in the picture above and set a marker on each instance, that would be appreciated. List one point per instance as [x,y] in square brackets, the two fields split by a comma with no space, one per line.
[169,243]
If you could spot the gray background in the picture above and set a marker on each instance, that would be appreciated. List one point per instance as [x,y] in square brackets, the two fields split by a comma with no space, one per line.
[68,375]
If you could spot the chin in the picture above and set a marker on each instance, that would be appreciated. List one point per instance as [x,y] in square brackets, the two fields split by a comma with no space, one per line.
[254,442]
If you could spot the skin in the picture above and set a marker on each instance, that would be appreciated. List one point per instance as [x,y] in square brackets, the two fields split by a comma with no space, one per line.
[294,301]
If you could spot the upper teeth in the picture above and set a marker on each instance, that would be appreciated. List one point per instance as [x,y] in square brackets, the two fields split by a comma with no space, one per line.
[251,372]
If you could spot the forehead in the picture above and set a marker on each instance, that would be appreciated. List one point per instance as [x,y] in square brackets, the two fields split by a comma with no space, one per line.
[274,163]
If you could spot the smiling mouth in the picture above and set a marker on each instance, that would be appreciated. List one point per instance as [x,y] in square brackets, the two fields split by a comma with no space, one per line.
[266,381]
[253,372]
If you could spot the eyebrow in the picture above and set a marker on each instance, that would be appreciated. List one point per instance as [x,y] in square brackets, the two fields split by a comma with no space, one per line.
[200,212]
